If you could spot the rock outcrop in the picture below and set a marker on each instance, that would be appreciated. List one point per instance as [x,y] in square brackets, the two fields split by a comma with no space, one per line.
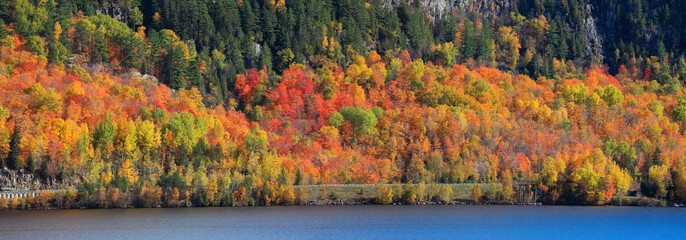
[436,8]
[21,180]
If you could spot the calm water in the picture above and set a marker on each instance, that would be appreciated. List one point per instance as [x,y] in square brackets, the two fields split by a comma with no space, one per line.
[350,222]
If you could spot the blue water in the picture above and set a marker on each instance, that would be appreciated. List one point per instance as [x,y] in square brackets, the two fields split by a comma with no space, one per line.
[350,222]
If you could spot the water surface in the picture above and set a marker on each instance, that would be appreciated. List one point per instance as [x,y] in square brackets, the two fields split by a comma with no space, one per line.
[350,222]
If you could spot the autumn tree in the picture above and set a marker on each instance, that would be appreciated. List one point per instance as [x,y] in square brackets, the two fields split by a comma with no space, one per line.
[385,194]
[656,182]
[509,45]
[128,174]
[476,193]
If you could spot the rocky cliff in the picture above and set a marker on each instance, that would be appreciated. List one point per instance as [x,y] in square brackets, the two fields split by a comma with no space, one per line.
[436,8]
[21,180]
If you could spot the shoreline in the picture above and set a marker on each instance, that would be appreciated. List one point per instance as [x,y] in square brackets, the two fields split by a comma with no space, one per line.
[456,194]
[362,203]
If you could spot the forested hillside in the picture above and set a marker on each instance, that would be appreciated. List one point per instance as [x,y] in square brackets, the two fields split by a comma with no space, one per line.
[233,102]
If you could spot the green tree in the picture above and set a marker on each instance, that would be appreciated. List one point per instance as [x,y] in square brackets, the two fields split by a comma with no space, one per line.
[681,68]
[446,53]
[31,164]
[363,121]
[14,162]
[101,53]
[486,47]
[57,53]
[103,134]
[266,57]
[661,50]
[136,17]
[468,40]
[283,178]
[679,113]
[611,95]
[409,194]
[298,177]
[586,183]
[256,140]
[336,119]
[34,44]
[3,31]
[84,32]
[45,168]
[657,181]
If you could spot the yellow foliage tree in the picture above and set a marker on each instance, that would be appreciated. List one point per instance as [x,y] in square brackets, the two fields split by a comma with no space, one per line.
[128,172]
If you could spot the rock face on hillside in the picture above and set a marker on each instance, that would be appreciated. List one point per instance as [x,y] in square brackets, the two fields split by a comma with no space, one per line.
[436,8]
[492,9]
[21,180]
[593,48]
[115,12]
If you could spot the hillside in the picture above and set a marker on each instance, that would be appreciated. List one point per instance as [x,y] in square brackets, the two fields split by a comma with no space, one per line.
[152,116]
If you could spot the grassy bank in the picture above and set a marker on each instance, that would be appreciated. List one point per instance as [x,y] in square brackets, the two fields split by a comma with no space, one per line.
[638,201]
[390,194]
[373,194]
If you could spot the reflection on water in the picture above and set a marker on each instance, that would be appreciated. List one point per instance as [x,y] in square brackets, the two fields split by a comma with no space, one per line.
[349,222]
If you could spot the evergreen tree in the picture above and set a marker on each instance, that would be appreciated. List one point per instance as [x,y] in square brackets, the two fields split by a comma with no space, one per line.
[45,168]
[31,164]
[3,31]
[249,21]
[661,50]
[266,57]
[554,40]
[298,177]
[136,17]
[100,53]
[446,28]
[468,40]
[283,178]
[681,69]
[486,48]
[13,160]
[57,53]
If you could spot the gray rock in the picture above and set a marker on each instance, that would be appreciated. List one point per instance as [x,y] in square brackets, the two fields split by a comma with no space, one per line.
[436,8]
[21,180]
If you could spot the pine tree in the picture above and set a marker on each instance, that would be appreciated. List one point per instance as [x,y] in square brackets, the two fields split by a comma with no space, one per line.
[681,68]
[554,40]
[486,48]
[563,49]
[57,53]
[13,160]
[468,40]
[31,165]
[298,177]
[283,177]
[45,168]
[661,50]
[136,17]
[266,58]
[3,31]
[101,52]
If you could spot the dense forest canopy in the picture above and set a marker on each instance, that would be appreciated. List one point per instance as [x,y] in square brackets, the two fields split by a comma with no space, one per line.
[231,102]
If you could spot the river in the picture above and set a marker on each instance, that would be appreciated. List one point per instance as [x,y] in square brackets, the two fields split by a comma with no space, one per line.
[349,222]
